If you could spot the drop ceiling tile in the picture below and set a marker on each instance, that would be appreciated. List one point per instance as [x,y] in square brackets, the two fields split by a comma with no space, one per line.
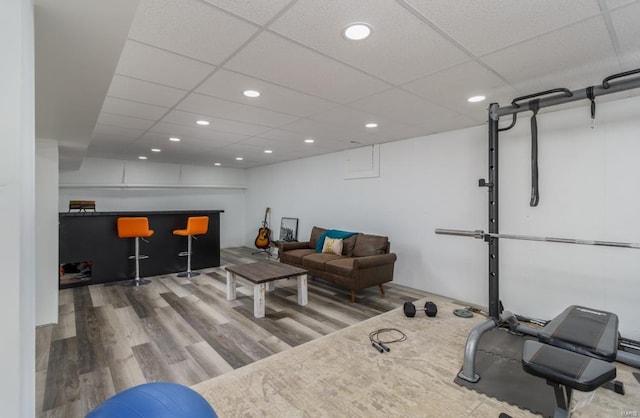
[321,132]
[400,106]
[401,47]
[212,106]
[625,22]
[133,109]
[256,11]
[230,85]
[275,59]
[355,120]
[144,92]
[190,28]
[573,57]
[489,25]
[155,65]
[188,119]
[452,87]
[117,131]
[197,134]
[124,121]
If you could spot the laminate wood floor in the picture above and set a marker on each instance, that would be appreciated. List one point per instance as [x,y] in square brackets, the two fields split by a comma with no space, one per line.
[110,337]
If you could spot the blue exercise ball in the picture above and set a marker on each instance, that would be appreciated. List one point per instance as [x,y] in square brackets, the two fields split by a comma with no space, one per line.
[155,400]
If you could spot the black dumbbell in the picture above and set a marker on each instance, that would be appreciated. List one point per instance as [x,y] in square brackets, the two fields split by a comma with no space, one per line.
[430,309]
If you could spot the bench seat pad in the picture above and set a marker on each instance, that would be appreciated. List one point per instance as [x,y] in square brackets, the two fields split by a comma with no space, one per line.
[565,367]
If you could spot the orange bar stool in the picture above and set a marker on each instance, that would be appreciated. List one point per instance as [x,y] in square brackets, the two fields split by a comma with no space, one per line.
[196,225]
[135,228]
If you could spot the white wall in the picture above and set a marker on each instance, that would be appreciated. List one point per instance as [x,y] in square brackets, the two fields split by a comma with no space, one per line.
[587,178]
[118,185]
[17,288]
[46,222]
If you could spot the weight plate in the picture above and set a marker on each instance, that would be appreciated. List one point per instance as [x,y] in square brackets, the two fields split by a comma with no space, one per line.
[462,313]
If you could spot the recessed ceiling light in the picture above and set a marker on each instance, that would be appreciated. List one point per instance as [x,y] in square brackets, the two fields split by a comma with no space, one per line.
[268,151]
[142,157]
[203,122]
[476,99]
[239,158]
[174,139]
[371,125]
[217,164]
[357,31]
[251,93]
[156,149]
[309,141]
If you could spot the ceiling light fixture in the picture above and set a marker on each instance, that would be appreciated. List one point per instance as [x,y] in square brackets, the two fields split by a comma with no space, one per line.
[142,157]
[268,151]
[357,31]
[309,141]
[217,164]
[371,125]
[203,122]
[156,149]
[251,93]
[174,139]
[239,158]
[475,99]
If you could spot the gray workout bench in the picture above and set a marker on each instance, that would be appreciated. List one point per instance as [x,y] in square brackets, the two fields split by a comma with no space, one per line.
[574,351]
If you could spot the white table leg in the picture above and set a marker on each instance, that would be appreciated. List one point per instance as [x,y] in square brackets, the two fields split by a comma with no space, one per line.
[271,286]
[302,290]
[231,286]
[258,300]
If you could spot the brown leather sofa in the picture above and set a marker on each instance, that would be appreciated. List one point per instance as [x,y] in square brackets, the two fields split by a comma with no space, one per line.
[365,260]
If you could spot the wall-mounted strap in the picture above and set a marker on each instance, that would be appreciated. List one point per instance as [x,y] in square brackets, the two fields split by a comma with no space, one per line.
[592,98]
[535,192]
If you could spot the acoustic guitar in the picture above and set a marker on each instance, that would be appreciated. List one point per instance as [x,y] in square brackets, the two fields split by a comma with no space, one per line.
[263,240]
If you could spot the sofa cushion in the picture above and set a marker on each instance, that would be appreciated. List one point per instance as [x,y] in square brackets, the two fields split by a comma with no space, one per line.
[332,246]
[315,234]
[370,245]
[316,261]
[348,244]
[295,256]
[341,266]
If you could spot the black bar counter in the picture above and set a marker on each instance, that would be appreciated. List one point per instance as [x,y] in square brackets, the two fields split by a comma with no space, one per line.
[91,238]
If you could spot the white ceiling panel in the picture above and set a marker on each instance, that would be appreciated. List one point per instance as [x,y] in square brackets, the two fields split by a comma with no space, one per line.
[191,28]
[191,59]
[401,46]
[452,88]
[399,105]
[152,64]
[627,24]
[132,109]
[571,58]
[489,25]
[107,131]
[275,59]
[187,119]
[229,85]
[186,134]
[144,92]
[124,121]
[256,11]
[213,106]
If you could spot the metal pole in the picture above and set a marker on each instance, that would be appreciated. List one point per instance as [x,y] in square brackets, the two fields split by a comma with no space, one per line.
[482,235]
[580,94]
[494,248]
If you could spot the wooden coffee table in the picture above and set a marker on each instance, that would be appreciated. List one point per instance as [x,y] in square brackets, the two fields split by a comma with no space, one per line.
[262,275]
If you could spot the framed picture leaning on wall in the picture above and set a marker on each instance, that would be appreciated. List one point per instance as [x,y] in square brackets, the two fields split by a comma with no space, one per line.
[289,229]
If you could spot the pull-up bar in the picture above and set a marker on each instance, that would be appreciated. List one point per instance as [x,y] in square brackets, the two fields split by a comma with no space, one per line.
[482,235]
[561,96]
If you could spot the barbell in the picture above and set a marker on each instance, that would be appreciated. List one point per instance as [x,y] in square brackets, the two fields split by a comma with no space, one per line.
[478,234]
